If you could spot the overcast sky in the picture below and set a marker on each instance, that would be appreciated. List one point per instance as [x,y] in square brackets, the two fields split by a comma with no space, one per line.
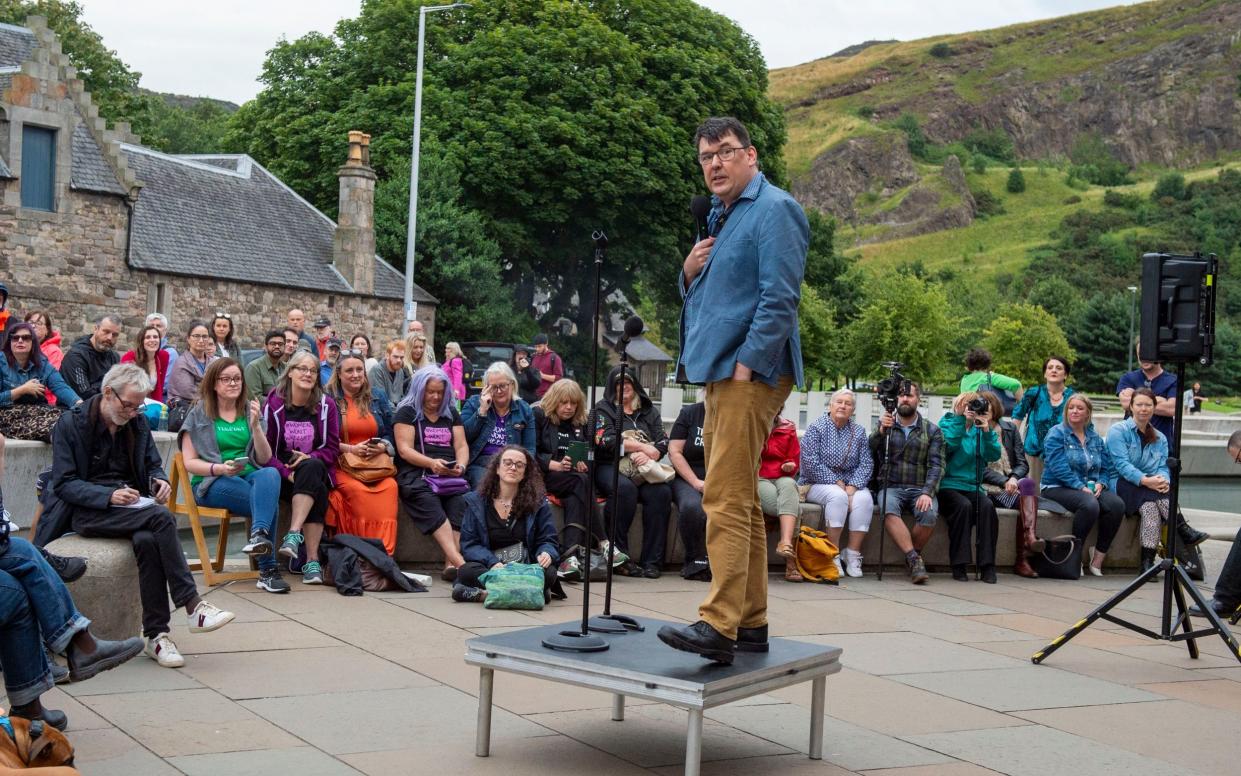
[216,48]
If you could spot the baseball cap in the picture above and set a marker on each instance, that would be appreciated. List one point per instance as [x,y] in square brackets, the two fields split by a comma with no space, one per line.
[540,339]
[322,322]
[333,342]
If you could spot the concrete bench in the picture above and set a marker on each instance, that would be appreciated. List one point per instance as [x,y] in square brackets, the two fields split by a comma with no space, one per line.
[108,593]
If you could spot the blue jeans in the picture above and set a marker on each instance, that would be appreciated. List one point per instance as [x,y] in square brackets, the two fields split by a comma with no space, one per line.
[903,499]
[35,606]
[256,495]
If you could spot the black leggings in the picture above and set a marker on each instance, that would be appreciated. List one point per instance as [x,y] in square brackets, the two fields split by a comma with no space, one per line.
[570,488]
[310,478]
[656,501]
[691,522]
[957,507]
[1107,510]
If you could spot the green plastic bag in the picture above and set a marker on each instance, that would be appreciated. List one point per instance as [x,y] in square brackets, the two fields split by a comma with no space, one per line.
[514,586]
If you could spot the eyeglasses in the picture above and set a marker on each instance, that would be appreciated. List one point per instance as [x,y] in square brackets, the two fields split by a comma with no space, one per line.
[200,336]
[130,408]
[306,370]
[234,380]
[20,338]
[512,463]
[353,352]
[725,154]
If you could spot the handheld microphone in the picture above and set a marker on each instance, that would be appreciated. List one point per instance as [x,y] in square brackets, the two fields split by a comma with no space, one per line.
[699,207]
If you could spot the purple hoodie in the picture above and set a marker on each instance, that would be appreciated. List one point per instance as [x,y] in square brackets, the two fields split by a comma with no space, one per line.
[326,443]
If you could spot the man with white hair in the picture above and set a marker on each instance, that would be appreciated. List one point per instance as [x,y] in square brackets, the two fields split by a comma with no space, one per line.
[107,481]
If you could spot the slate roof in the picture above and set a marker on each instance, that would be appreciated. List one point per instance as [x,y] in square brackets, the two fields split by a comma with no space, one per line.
[90,171]
[16,43]
[226,216]
[640,348]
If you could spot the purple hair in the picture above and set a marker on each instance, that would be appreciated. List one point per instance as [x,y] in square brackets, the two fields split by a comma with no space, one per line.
[418,389]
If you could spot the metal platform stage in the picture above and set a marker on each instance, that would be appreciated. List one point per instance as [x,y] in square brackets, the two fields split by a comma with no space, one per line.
[639,665]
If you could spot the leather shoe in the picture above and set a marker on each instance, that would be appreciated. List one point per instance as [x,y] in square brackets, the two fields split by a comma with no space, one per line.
[752,639]
[68,568]
[651,571]
[1219,607]
[107,655]
[1190,536]
[54,717]
[699,638]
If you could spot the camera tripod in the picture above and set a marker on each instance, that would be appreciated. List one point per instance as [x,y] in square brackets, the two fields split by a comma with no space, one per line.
[1176,581]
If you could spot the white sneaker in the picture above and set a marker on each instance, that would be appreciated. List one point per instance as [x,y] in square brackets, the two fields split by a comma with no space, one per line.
[840,572]
[207,617]
[164,652]
[421,579]
[853,562]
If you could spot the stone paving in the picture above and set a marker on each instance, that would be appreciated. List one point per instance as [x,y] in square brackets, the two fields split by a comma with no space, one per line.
[937,680]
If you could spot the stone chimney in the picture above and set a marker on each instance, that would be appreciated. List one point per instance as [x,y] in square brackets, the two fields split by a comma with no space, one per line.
[353,247]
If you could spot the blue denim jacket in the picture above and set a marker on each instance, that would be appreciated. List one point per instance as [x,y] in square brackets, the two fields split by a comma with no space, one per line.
[11,377]
[742,306]
[1068,465]
[519,430]
[1133,461]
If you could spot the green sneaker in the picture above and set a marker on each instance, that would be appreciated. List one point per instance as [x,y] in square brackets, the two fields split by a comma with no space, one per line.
[288,548]
[312,574]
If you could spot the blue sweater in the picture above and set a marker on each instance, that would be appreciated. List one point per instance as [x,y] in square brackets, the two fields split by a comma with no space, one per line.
[475,541]
[1133,461]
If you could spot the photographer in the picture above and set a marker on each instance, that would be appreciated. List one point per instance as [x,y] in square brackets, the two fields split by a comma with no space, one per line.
[912,471]
[970,439]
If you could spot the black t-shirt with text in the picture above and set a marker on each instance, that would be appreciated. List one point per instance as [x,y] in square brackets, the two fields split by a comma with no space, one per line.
[431,438]
[688,426]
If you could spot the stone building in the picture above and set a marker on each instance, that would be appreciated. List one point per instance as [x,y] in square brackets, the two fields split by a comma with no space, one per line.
[92,222]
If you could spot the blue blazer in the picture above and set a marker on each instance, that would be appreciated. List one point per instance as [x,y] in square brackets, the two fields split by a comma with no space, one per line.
[475,542]
[520,428]
[1131,459]
[742,306]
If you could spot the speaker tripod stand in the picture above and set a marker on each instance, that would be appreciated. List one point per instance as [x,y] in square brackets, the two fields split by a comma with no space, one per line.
[1176,581]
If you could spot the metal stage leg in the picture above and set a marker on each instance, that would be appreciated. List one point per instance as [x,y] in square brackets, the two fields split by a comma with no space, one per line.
[818,689]
[618,708]
[693,743]
[482,735]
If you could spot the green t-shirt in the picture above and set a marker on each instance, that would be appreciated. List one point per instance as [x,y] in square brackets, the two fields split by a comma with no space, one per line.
[972,380]
[233,438]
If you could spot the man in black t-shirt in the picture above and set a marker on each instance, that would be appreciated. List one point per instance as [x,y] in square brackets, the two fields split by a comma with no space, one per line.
[688,457]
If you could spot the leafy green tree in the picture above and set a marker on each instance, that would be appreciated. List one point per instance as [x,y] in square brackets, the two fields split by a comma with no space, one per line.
[1170,185]
[1020,338]
[1099,333]
[563,118]
[902,318]
[820,340]
[1057,296]
[1095,161]
[195,129]
[993,143]
[1016,181]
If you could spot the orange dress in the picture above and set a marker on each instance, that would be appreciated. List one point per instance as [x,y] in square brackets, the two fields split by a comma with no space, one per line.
[366,509]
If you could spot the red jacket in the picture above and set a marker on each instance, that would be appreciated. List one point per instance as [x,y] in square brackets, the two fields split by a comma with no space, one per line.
[782,447]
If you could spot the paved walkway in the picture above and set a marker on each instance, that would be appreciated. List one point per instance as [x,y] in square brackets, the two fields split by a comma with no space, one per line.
[937,681]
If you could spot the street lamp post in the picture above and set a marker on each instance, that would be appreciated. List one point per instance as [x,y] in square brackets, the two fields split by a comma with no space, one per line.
[1133,308]
[413,167]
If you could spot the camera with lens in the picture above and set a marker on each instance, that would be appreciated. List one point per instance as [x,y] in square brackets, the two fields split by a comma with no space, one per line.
[891,387]
[979,406]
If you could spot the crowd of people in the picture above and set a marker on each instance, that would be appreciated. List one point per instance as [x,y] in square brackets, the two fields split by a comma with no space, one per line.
[351,437]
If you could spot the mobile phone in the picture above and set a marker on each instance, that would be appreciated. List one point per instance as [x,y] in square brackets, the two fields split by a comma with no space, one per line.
[243,461]
[375,441]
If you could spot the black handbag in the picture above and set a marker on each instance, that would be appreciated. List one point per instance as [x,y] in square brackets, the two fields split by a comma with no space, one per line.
[513,553]
[1061,558]
[177,410]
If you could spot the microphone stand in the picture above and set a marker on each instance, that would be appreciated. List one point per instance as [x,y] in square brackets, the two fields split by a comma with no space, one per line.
[583,640]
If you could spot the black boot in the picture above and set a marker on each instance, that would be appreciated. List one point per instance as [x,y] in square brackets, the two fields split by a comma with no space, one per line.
[701,639]
[1148,561]
[1189,536]
[67,567]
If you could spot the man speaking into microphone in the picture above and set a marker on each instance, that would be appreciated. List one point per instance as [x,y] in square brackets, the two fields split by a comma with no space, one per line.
[741,285]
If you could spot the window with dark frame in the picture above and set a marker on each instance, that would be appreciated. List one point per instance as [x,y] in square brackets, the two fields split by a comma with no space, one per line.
[38,168]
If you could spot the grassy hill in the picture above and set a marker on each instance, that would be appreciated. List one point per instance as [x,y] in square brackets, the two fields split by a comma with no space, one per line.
[1147,79]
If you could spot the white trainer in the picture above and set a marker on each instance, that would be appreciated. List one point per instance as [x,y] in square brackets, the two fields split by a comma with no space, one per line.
[207,617]
[840,572]
[164,652]
[853,562]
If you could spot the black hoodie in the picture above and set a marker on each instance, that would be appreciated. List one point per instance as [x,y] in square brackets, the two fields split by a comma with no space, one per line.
[84,367]
[646,418]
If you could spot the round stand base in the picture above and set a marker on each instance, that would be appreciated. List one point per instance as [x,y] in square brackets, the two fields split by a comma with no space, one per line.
[614,623]
[575,641]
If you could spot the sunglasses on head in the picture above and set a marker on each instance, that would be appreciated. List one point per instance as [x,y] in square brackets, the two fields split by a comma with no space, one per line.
[225,316]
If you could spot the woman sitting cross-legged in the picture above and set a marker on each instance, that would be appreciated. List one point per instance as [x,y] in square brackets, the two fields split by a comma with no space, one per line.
[777,488]
[508,512]
[624,410]
[25,376]
[495,418]
[303,431]
[1077,469]
[1142,480]
[225,448]
[970,443]
[430,443]
[560,420]
[836,464]
[363,506]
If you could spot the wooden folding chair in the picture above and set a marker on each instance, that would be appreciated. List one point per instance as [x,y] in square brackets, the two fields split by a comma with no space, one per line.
[182,503]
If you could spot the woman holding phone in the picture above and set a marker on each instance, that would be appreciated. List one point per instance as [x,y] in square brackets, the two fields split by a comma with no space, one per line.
[431,457]
[495,418]
[365,508]
[303,430]
[226,452]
